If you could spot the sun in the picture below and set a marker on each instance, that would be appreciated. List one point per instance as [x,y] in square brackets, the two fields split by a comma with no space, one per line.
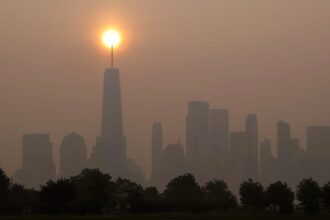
[111,38]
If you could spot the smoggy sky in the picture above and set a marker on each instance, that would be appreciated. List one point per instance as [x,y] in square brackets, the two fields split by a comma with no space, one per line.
[269,57]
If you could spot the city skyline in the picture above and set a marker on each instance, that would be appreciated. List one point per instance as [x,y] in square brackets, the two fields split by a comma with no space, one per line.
[249,62]
[212,151]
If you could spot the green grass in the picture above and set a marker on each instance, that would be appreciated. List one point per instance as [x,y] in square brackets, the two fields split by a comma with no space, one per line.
[175,216]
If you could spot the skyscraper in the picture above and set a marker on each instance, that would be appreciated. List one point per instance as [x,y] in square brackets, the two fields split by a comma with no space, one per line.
[296,161]
[73,155]
[251,125]
[156,152]
[197,138]
[110,151]
[38,165]
[173,163]
[267,162]
[219,141]
[238,158]
[318,149]
[284,162]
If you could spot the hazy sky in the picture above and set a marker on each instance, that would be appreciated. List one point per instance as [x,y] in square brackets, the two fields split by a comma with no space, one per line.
[269,57]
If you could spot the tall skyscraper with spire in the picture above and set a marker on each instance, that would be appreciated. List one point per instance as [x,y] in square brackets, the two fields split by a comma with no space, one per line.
[112,120]
[109,154]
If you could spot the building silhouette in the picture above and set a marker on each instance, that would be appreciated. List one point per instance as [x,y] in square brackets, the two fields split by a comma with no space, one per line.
[267,162]
[37,164]
[251,126]
[73,155]
[318,149]
[156,152]
[284,162]
[134,172]
[219,142]
[197,139]
[238,158]
[109,153]
[211,150]
[173,163]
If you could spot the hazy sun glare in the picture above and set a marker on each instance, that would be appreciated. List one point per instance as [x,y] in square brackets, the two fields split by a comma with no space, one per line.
[111,38]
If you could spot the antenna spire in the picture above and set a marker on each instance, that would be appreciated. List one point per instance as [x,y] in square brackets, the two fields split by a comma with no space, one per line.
[112,57]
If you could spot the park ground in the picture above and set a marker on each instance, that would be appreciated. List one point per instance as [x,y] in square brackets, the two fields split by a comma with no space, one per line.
[175,216]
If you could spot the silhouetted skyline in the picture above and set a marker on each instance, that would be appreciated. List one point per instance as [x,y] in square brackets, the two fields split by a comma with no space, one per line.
[265,58]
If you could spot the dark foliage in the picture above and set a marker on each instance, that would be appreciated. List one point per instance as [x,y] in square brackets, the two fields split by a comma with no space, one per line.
[23,201]
[128,195]
[183,194]
[93,192]
[218,196]
[4,192]
[57,196]
[280,195]
[326,196]
[309,196]
[252,195]
[92,189]
[152,200]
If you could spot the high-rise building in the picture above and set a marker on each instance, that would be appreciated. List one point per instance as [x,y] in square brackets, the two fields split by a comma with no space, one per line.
[73,155]
[283,139]
[318,149]
[284,152]
[173,163]
[156,152]
[219,142]
[109,154]
[238,158]
[297,161]
[267,162]
[251,125]
[197,139]
[38,165]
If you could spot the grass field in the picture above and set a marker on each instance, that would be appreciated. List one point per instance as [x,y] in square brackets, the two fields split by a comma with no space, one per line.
[174,216]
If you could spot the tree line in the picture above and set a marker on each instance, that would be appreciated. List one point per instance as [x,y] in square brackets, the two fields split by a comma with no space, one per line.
[93,192]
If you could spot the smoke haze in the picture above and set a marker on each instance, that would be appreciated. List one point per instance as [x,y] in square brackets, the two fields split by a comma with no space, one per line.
[267,57]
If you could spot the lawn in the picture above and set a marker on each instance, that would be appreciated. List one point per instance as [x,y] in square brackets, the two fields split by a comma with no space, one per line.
[174,216]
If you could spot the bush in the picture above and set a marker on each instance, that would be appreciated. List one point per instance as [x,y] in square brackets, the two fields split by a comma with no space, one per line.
[218,197]
[252,195]
[280,195]
[309,196]
[184,194]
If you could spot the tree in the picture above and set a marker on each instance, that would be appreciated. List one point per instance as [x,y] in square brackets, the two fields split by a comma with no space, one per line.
[93,190]
[218,196]
[326,195]
[151,199]
[309,196]
[4,191]
[280,195]
[128,195]
[22,200]
[252,195]
[184,193]
[58,195]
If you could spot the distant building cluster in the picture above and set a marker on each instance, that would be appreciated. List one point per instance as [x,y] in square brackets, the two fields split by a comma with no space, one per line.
[108,155]
[212,151]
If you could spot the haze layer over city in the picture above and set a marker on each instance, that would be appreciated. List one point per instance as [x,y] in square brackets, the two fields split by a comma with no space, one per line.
[269,58]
